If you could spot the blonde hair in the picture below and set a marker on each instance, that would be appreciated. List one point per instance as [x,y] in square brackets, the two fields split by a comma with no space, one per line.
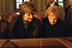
[27,7]
[54,9]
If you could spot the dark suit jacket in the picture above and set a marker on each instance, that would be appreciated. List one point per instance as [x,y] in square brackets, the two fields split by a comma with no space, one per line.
[19,30]
[57,30]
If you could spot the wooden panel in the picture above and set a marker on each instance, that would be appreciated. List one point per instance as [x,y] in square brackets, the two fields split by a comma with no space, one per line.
[67,43]
[36,43]
[2,41]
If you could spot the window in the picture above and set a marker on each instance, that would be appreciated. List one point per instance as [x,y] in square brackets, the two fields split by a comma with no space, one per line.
[18,2]
[60,2]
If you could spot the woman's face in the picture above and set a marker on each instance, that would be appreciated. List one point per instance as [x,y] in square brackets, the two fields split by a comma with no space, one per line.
[52,18]
[28,17]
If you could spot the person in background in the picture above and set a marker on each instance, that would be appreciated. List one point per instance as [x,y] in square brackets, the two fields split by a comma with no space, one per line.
[4,28]
[26,25]
[68,16]
[52,3]
[52,26]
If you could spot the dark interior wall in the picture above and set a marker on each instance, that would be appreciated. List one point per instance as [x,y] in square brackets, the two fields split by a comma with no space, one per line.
[1,6]
[66,3]
[7,6]
[40,5]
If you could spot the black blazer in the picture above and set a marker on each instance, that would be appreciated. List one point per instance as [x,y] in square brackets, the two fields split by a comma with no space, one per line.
[19,30]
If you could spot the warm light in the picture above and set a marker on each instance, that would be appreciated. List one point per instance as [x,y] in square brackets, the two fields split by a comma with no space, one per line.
[26,0]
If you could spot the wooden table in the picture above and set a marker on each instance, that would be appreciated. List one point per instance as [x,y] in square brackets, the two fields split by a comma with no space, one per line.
[66,41]
[36,43]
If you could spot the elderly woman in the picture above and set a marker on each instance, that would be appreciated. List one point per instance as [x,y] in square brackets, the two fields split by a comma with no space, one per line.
[26,25]
[52,26]
[52,3]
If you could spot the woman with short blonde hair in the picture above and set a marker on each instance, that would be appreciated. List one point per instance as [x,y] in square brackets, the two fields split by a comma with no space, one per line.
[54,9]
[52,26]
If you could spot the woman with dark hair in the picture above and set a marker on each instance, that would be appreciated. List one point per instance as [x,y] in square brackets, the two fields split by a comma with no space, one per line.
[26,25]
